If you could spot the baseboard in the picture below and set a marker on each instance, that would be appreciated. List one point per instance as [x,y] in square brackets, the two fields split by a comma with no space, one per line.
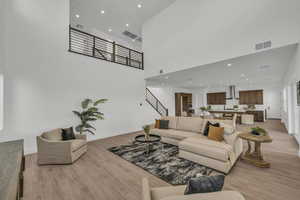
[273,118]
[297,137]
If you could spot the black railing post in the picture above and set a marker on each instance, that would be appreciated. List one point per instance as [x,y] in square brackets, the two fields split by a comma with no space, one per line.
[70,37]
[142,61]
[129,58]
[114,52]
[167,112]
[94,46]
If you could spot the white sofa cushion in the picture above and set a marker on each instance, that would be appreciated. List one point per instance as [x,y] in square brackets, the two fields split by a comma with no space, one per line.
[172,121]
[193,124]
[201,145]
[172,133]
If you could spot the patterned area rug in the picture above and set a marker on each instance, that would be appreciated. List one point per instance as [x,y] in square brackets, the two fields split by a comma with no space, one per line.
[163,162]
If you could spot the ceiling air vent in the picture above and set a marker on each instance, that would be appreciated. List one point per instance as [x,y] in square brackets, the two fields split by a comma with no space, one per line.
[263,45]
[130,35]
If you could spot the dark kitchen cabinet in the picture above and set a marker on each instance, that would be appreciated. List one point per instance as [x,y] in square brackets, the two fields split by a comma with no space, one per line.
[218,98]
[258,115]
[250,97]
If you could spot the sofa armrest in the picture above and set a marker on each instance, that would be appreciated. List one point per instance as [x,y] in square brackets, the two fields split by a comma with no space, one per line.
[234,141]
[146,192]
[53,147]
[81,136]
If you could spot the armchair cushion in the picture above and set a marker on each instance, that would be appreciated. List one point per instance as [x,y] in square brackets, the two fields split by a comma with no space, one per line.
[54,135]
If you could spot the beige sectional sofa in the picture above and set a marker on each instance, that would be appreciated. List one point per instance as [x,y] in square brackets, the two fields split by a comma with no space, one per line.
[187,134]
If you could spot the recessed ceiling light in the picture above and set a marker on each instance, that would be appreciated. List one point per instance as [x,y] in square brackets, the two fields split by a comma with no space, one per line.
[247,79]
[109,30]
[127,25]
[77,15]
[133,40]
[139,5]
[102,12]
[242,75]
[229,65]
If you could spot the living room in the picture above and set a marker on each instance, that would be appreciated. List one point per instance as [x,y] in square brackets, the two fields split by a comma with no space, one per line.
[48,84]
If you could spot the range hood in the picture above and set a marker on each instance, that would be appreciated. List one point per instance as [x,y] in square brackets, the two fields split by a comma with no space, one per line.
[232,93]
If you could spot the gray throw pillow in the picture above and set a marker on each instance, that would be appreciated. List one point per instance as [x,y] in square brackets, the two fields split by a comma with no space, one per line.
[164,124]
[204,184]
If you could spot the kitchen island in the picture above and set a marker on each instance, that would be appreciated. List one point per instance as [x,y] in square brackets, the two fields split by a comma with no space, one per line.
[259,115]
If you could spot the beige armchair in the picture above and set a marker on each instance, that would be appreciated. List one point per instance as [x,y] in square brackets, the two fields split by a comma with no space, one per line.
[177,193]
[53,150]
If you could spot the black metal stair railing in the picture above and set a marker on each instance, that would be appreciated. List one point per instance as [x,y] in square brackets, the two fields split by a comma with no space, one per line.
[156,104]
[90,45]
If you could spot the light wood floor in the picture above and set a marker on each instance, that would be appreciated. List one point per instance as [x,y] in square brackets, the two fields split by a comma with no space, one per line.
[100,175]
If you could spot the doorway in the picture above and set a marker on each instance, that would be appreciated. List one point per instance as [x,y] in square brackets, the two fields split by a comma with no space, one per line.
[183,104]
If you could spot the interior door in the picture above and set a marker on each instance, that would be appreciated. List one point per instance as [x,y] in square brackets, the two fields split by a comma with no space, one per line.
[183,102]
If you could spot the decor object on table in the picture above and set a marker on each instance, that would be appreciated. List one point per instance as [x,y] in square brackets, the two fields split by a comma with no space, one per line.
[148,141]
[53,150]
[89,113]
[203,108]
[205,184]
[235,107]
[255,157]
[187,134]
[163,162]
[177,193]
[258,131]
[146,129]
[251,107]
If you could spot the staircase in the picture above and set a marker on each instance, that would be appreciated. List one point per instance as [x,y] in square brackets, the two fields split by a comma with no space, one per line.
[156,104]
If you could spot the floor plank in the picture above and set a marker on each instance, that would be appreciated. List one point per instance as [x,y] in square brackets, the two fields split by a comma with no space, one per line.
[101,175]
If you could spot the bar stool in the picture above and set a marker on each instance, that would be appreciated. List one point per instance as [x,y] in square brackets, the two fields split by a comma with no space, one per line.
[247,119]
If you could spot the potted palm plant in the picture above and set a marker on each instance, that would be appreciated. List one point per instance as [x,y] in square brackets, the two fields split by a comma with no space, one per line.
[89,113]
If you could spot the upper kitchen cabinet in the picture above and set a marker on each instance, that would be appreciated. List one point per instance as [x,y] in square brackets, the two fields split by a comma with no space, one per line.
[251,97]
[218,98]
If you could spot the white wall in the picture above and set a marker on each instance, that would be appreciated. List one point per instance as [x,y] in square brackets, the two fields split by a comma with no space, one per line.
[167,96]
[44,82]
[291,117]
[196,32]
[272,98]
[2,57]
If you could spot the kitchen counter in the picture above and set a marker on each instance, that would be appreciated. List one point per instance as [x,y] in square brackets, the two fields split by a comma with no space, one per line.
[259,114]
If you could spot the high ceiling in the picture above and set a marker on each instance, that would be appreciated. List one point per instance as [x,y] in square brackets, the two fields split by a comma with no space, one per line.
[261,68]
[117,13]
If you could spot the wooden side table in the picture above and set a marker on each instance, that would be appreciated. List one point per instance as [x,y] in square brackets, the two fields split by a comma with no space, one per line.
[255,157]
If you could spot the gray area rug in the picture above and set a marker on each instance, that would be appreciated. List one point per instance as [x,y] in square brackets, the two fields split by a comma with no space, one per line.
[163,162]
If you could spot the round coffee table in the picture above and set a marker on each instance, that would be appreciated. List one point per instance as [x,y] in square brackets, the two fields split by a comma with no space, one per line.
[255,157]
[148,143]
